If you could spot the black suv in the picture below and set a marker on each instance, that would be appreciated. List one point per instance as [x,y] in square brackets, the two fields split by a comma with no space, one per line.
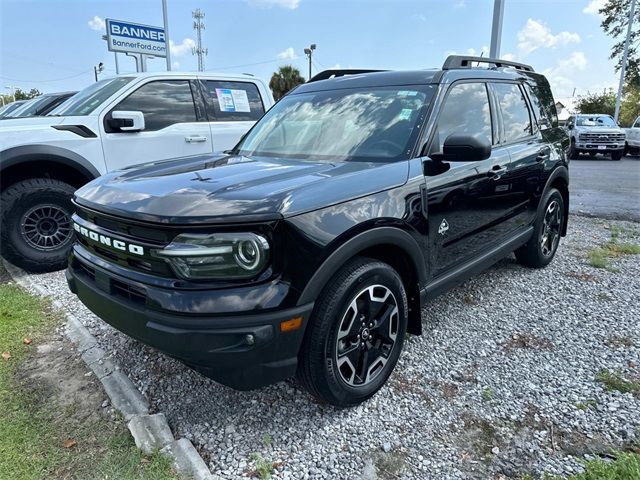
[312,247]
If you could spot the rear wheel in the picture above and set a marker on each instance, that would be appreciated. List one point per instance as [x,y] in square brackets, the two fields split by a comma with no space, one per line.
[355,334]
[617,155]
[572,154]
[541,248]
[36,224]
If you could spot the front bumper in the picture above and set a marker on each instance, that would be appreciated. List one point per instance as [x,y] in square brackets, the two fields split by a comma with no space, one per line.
[243,351]
[597,147]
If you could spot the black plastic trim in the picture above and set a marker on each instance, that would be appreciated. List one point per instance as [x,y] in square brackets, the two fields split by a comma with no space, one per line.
[80,130]
[25,153]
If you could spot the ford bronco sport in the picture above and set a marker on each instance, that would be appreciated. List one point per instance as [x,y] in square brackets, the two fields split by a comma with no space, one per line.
[312,246]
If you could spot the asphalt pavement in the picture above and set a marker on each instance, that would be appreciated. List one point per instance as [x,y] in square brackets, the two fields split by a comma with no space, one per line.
[605,188]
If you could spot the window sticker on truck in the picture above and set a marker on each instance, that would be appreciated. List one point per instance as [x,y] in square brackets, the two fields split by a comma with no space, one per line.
[233,100]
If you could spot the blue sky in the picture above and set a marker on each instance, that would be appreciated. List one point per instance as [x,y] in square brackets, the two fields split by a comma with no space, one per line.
[52,45]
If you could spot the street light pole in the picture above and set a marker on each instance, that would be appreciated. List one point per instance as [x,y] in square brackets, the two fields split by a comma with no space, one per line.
[165,19]
[496,29]
[13,91]
[309,52]
[97,69]
[625,54]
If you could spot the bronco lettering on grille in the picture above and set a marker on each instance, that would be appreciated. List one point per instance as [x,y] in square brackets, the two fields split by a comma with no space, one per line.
[108,241]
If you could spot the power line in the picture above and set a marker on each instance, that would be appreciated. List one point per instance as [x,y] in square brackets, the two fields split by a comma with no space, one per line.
[48,81]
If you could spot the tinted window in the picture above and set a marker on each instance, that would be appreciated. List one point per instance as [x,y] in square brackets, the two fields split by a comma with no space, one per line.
[163,102]
[637,124]
[466,110]
[87,100]
[233,101]
[515,113]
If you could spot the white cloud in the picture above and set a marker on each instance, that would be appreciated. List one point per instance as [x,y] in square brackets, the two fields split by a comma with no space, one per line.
[288,54]
[175,65]
[290,4]
[460,4]
[419,16]
[594,6]
[562,77]
[536,34]
[98,24]
[509,57]
[180,49]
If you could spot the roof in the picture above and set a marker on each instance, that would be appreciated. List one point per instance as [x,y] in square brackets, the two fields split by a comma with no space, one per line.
[371,79]
[189,74]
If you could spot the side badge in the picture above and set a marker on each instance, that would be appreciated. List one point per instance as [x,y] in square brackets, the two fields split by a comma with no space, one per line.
[444,226]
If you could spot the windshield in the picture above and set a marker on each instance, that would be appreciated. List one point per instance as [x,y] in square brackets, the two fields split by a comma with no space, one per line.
[4,111]
[86,101]
[596,121]
[30,108]
[364,124]
[25,106]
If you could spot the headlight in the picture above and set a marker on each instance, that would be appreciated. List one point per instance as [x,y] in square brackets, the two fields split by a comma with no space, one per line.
[221,256]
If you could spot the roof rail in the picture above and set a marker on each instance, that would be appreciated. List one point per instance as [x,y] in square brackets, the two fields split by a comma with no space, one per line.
[324,75]
[464,61]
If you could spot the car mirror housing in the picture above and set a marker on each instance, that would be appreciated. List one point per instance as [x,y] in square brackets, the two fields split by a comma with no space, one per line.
[127,121]
[466,148]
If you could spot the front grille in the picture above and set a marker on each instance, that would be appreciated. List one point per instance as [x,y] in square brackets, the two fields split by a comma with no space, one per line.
[602,137]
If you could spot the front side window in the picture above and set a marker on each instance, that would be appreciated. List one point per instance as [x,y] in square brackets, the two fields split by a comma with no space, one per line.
[87,100]
[466,111]
[515,113]
[637,124]
[163,103]
[355,124]
[233,101]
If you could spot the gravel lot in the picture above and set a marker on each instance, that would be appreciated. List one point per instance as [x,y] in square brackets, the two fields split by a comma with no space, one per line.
[502,382]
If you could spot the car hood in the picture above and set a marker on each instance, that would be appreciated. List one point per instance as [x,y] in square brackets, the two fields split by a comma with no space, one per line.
[26,123]
[600,130]
[224,188]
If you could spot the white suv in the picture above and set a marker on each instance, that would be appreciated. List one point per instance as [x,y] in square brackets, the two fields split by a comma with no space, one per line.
[115,123]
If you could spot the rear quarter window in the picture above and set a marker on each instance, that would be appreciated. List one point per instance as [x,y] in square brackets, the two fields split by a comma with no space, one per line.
[542,102]
[233,101]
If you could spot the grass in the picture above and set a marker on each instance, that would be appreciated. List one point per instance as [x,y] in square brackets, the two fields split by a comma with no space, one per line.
[263,468]
[586,404]
[600,257]
[488,394]
[626,466]
[615,381]
[34,427]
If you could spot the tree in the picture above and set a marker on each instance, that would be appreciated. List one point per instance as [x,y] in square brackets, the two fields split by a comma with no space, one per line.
[23,95]
[286,78]
[605,103]
[615,20]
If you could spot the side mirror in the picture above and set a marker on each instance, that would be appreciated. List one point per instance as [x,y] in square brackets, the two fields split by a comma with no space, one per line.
[127,121]
[465,148]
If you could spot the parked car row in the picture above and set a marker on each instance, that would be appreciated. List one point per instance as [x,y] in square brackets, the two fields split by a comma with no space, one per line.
[113,124]
[595,133]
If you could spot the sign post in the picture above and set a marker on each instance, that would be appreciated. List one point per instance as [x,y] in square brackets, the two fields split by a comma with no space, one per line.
[135,38]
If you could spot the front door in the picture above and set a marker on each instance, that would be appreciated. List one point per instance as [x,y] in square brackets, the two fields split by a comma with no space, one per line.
[172,126]
[466,205]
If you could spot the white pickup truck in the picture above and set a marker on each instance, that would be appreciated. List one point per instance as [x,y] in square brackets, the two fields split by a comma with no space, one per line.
[115,123]
[632,147]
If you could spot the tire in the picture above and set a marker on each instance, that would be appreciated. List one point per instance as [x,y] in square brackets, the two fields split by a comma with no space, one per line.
[572,154]
[335,325]
[592,154]
[535,253]
[37,233]
[617,155]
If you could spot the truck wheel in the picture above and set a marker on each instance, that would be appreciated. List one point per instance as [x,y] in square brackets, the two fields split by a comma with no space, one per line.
[355,333]
[541,248]
[36,224]
[572,154]
[617,155]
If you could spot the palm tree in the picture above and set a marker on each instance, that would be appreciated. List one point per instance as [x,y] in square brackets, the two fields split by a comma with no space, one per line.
[286,78]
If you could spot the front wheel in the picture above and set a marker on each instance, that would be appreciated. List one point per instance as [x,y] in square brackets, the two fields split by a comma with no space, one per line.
[355,334]
[541,248]
[617,155]
[572,153]
[36,231]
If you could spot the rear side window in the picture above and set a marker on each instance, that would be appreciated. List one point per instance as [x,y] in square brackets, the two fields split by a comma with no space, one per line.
[233,101]
[163,103]
[515,113]
[466,110]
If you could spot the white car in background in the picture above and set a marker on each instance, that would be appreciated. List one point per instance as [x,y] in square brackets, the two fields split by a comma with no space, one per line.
[113,124]
[632,146]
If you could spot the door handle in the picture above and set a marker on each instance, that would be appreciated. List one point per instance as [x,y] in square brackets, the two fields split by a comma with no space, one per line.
[195,139]
[543,154]
[497,171]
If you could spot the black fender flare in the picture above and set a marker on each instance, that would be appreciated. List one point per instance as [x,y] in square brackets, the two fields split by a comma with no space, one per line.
[563,173]
[15,155]
[350,248]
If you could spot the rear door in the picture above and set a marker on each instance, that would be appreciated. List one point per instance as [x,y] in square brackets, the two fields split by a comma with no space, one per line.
[521,135]
[173,126]
[466,204]
[232,107]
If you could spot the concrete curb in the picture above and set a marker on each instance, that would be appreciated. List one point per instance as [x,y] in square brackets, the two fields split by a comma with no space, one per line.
[150,432]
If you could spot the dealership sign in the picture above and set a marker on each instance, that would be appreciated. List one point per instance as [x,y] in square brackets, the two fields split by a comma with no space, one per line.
[136,38]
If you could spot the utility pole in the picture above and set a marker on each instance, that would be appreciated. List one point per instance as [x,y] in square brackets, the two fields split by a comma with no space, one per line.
[13,91]
[309,52]
[165,19]
[97,69]
[198,26]
[625,54]
[496,28]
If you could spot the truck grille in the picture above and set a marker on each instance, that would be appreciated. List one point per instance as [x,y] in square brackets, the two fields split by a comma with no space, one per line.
[602,137]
